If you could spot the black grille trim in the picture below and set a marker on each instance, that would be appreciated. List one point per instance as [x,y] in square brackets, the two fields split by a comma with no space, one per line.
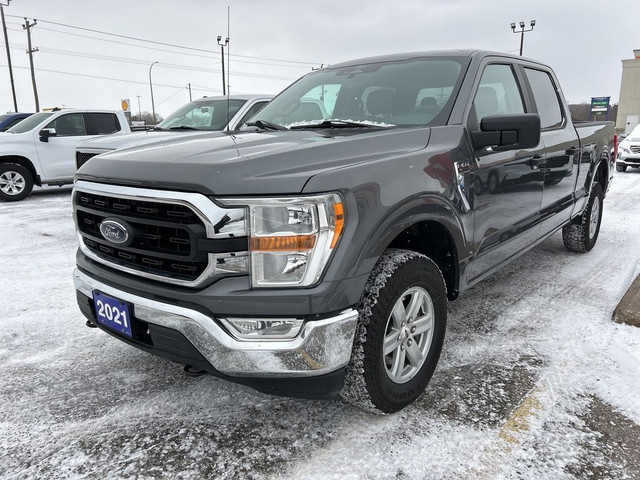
[169,240]
[83,157]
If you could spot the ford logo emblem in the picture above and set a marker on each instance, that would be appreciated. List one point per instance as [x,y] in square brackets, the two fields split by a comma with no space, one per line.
[115,231]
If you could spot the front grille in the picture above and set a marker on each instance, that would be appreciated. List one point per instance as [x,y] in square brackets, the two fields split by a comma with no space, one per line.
[635,149]
[82,158]
[167,240]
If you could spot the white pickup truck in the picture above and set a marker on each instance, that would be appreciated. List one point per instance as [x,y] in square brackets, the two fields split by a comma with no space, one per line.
[40,150]
[205,114]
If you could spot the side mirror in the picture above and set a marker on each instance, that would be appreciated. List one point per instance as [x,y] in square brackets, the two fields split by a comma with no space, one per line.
[45,133]
[508,132]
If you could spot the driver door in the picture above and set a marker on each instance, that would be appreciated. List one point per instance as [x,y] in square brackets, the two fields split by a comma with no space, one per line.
[57,155]
[507,185]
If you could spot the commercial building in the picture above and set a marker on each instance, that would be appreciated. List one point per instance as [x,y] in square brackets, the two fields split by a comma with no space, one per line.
[629,104]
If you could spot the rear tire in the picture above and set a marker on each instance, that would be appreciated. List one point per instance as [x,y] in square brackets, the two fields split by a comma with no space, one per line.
[621,168]
[16,182]
[582,235]
[400,332]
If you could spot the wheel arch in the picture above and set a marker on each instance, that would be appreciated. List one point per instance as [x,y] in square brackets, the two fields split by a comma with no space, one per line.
[429,226]
[25,162]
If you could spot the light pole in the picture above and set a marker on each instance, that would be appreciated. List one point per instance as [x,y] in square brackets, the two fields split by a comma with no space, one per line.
[153,106]
[522,31]
[139,111]
[222,45]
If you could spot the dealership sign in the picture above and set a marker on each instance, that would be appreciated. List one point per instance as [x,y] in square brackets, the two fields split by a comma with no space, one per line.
[600,104]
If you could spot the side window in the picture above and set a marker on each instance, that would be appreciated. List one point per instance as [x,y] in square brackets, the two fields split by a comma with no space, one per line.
[69,125]
[104,123]
[498,92]
[255,108]
[544,93]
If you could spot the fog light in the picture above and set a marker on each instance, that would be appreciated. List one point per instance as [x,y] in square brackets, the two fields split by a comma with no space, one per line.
[263,329]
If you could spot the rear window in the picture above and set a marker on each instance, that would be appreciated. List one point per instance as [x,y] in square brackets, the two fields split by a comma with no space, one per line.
[104,123]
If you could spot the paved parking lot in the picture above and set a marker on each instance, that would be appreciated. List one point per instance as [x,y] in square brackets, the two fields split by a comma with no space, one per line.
[535,380]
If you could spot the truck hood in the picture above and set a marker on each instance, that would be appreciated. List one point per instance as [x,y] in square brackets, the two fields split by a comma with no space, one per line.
[248,163]
[116,142]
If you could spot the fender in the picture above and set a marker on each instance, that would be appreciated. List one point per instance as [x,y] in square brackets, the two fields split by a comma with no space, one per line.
[413,211]
[26,163]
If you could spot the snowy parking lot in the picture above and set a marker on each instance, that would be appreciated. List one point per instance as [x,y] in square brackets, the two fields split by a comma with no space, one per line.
[535,381]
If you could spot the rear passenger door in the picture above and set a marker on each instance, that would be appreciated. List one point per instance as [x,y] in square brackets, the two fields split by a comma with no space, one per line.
[507,185]
[562,147]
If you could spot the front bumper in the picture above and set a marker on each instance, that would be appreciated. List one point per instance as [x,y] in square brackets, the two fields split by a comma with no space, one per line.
[322,346]
[630,160]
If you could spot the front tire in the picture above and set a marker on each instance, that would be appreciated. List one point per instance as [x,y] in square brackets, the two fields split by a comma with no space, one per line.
[621,168]
[582,235]
[400,332]
[16,182]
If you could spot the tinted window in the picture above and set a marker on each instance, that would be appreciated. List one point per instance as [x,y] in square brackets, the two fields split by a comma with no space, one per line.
[68,125]
[498,92]
[104,123]
[546,98]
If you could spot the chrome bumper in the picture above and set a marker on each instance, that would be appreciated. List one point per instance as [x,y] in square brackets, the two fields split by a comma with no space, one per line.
[321,347]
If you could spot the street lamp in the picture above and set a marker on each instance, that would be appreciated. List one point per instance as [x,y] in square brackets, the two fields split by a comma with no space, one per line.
[222,45]
[153,106]
[522,31]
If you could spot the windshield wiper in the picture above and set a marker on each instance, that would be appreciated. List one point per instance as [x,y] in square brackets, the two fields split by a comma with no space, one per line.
[266,125]
[182,127]
[342,124]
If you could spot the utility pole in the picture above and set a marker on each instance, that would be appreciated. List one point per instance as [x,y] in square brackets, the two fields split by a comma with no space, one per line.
[6,43]
[28,26]
[222,45]
[190,99]
[522,32]
[139,110]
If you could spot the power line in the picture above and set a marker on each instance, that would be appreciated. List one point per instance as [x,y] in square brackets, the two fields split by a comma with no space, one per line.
[134,61]
[111,78]
[138,39]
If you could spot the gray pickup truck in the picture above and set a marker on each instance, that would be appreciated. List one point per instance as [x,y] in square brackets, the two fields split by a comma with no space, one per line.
[314,251]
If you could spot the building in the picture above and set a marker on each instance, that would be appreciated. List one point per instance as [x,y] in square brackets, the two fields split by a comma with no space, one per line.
[629,104]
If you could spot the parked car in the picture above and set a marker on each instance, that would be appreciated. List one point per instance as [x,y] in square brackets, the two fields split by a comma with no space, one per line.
[312,253]
[8,120]
[629,151]
[202,115]
[40,149]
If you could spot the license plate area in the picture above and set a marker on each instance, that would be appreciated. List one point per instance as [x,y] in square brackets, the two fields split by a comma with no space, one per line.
[113,313]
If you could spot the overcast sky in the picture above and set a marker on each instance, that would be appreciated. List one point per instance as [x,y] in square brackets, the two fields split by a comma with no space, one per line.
[272,43]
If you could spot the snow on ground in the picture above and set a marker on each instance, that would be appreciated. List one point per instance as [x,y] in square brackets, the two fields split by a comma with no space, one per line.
[535,380]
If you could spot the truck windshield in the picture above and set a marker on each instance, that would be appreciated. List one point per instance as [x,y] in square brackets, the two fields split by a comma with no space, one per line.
[30,123]
[202,115]
[418,91]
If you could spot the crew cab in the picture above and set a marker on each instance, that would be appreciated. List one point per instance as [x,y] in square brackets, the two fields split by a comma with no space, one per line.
[40,150]
[202,115]
[314,251]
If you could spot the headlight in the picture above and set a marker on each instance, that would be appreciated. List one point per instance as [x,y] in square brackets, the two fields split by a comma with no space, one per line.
[623,151]
[291,239]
